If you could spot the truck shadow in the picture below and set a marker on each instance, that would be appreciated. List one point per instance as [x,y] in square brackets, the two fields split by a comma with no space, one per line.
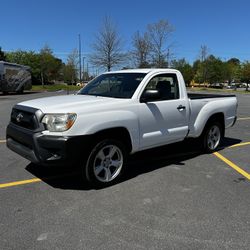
[141,163]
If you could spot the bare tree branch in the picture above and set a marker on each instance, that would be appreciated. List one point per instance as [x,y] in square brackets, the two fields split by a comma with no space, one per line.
[141,44]
[107,46]
[159,33]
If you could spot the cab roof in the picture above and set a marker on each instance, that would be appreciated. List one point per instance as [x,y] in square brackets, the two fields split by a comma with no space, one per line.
[146,71]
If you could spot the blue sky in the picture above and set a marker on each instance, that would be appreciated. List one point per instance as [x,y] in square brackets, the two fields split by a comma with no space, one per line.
[222,25]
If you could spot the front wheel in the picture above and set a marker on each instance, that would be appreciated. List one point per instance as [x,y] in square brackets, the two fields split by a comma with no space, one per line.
[212,137]
[105,162]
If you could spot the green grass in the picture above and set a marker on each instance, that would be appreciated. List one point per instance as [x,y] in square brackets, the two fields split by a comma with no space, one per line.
[218,90]
[55,87]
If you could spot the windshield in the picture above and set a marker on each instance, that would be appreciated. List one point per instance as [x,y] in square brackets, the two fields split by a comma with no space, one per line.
[117,85]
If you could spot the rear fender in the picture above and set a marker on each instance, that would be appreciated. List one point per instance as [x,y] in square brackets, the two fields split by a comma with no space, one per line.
[207,111]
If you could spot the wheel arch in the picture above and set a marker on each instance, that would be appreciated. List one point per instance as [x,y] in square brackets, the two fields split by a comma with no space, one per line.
[117,133]
[218,117]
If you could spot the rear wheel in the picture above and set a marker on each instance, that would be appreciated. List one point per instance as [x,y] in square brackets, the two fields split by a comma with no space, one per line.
[212,136]
[105,163]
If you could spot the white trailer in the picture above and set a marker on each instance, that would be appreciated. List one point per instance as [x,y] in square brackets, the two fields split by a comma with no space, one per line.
[14,77]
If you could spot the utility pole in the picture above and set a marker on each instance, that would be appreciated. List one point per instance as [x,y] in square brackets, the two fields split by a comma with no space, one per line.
[168,58]
[80,64]
[88,70]
[83,75]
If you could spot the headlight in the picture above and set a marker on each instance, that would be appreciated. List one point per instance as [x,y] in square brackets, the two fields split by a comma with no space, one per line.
[59,122]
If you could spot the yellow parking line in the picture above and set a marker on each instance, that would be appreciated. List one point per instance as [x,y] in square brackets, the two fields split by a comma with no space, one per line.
[232,165]
[243,118]
[240,144]
[2,141]
[23,182]
[17,183]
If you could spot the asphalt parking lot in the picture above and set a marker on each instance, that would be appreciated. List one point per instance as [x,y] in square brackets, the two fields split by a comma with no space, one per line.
[170,198]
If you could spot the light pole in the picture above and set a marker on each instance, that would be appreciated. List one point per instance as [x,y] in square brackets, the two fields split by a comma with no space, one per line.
[88,70]
[83,76]
[80,64]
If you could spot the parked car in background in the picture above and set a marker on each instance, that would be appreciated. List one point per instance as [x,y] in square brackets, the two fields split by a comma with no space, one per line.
[244,85]
[217,85]
[231,86]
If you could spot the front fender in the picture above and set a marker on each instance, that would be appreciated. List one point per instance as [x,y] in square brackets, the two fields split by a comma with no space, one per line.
[88,124]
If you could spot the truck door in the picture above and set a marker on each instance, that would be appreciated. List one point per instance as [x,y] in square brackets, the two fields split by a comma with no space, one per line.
[164,119]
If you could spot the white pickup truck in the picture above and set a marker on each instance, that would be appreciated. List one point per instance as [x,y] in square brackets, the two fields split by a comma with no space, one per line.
[118,113]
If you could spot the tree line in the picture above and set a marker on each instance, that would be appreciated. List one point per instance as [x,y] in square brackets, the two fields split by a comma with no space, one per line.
[45,67]
[149,49]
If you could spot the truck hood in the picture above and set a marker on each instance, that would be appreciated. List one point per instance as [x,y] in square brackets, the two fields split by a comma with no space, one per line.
[71,103]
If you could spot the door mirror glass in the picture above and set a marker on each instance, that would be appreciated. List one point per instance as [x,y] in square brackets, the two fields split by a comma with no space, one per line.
[150,95]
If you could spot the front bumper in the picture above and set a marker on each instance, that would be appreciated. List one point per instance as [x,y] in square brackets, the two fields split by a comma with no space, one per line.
[44,149]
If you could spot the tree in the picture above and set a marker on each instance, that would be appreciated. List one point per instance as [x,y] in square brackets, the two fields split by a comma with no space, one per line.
[2,55]
[50,65]
[234,61]
[215,69]
[159,33]
[202,74]
[211,70]
[141,44]
[232,67]
[246,74]
[45,67]
[45,61]
[107,46]
[28,58]
[185,68]
[203,53]
[70,69]
[18,57]
[198,69]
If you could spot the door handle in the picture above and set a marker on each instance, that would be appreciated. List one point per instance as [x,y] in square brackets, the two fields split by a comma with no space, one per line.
[180,107]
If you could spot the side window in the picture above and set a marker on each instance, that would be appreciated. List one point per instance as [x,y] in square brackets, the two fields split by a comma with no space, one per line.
[166,84]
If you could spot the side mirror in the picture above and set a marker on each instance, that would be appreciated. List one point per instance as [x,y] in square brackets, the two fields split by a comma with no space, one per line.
[150,95]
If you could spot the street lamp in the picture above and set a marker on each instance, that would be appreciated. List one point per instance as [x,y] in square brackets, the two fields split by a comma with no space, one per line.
[83,58]
[80,68]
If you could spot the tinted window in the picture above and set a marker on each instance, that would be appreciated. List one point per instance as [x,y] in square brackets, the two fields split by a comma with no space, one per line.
[117,85]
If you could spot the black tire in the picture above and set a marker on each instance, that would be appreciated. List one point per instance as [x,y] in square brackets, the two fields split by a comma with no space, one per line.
[212,136]
[100,169]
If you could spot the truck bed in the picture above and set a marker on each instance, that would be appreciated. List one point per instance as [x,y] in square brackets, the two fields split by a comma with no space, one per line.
[193,96]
